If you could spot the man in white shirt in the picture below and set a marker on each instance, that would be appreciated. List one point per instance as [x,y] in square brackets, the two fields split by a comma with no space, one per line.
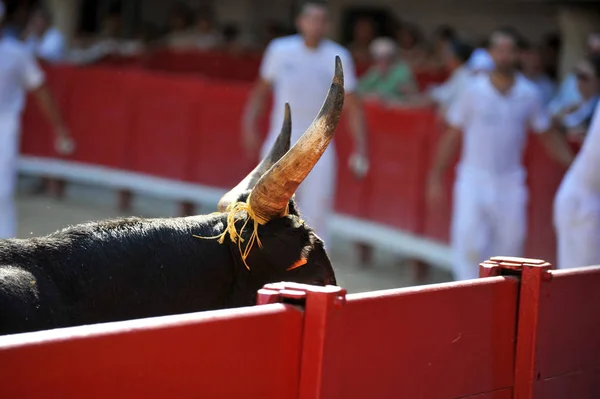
[19,72]
[299,69]
[46,41]
[492,117]
[577,205]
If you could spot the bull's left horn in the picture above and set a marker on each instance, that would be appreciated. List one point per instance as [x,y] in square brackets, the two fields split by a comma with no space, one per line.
[272,192]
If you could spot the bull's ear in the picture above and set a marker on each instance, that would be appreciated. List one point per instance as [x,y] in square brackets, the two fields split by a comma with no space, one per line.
[278,150]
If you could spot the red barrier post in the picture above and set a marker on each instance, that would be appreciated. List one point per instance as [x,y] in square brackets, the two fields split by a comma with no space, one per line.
[320,375]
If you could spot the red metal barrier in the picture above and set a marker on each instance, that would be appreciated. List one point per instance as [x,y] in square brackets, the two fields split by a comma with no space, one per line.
[243,353]
[450,340]
[523,332]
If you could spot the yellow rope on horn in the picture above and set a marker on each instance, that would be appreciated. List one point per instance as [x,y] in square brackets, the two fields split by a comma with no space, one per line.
[234,210]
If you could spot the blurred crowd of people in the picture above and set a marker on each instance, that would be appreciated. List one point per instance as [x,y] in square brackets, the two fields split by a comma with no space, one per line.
[392,59]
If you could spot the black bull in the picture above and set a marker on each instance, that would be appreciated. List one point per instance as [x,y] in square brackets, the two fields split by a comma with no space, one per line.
[133,268]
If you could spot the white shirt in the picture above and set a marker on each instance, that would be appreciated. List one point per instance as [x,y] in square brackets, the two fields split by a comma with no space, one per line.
[447,93]
[302,77]
[586,166]
[19,72]
[495,126]
[50,47]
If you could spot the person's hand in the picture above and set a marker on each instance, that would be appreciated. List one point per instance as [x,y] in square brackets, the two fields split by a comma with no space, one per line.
[63,143]
[251,142]
[359,164]
[435,191]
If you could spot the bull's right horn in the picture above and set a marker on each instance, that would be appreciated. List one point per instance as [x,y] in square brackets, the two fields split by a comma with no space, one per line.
[271,194]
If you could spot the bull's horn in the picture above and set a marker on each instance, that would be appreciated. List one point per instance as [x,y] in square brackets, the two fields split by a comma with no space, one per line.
[271,194]
[281,146]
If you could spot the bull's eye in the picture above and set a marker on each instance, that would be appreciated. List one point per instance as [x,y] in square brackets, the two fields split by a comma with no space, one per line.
[297,264]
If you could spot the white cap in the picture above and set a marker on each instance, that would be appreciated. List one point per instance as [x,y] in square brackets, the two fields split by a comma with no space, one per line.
[481,60]
[382,47]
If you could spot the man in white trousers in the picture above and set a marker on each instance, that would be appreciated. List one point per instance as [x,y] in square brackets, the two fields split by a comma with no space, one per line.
[577,205]
[492,117]
[299,68]
[19,72]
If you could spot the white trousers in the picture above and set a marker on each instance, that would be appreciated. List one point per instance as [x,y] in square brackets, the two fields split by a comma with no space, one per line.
[489,218]
[577,224]
[9,147]
[315,196]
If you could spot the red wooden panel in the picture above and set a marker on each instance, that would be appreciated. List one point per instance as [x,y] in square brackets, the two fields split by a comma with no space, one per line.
[568,346]
[440,341]
[399,165]
[100,116]
[164,120]
[251,352]
[37,133]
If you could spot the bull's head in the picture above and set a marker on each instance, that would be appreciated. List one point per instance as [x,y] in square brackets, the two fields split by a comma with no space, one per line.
[290,250]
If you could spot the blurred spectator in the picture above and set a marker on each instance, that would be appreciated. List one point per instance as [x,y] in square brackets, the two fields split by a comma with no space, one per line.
[205,35]
[389,78]
[456,55]
[108,41]
[532,68]
[568,95]
[549,51]
[492,116]
[442,37]
[575,121]
[363,34]
[411,45]
[44,39]
[231,39]
[15,18]
[20,73]
[180,35]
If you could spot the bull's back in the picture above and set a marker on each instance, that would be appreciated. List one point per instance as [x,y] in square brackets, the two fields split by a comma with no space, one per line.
[123,269]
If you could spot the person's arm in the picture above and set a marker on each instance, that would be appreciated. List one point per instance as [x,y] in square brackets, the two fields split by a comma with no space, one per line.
[254,108]
[457,118]
[32,79]
[551,138]
[445,151]
[48,106]
[356,120]
[359,161]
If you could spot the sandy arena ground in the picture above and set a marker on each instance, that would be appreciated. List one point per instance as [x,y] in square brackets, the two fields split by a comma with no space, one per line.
[40,214]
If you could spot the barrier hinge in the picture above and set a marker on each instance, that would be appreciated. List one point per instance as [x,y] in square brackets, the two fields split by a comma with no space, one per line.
[296,294]
[511,266]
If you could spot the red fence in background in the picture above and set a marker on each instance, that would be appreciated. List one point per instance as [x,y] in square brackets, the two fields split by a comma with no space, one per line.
[524,332]
[243,67]
[188,129]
